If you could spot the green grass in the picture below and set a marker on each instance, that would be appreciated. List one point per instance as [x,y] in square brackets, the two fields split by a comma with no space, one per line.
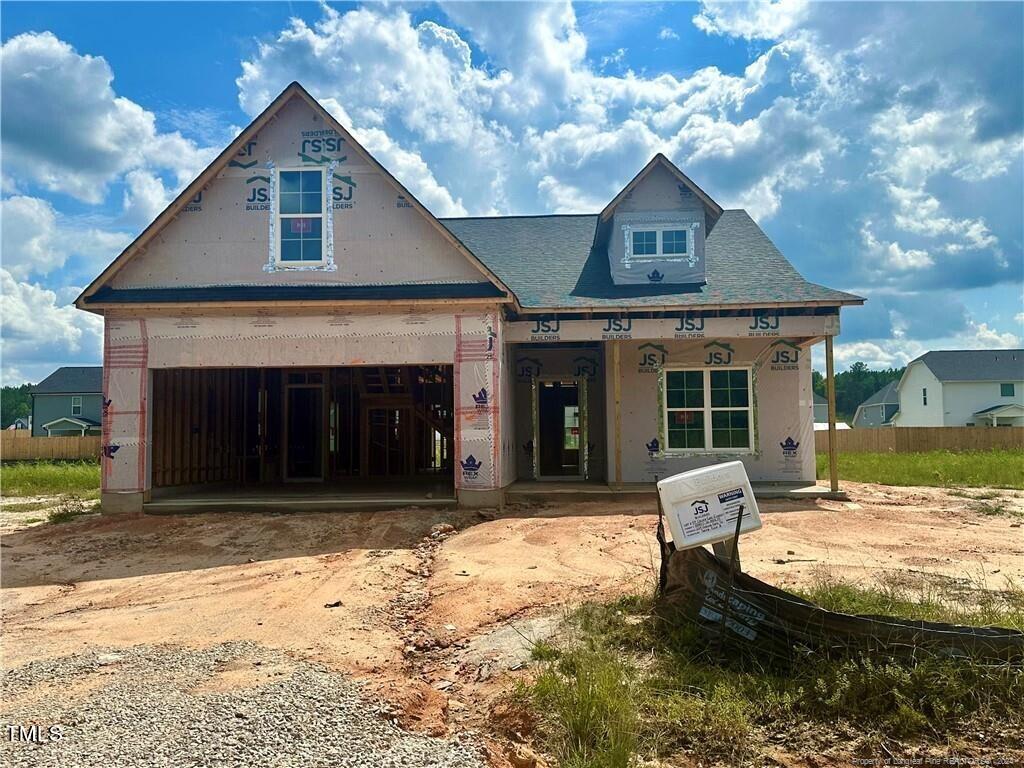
[625,686]
[997,469]
[927,598]
[50,478]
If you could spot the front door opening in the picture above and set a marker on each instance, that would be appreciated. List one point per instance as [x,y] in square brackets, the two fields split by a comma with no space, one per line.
[558,426]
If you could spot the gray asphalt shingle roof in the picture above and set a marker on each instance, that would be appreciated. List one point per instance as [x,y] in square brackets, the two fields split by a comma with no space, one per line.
[887,394]
[73,380]
[549,262]
[975,364]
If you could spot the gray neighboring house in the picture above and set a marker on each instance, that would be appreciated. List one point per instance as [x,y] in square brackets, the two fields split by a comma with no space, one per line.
[68,402]
[878,410]
[820,409]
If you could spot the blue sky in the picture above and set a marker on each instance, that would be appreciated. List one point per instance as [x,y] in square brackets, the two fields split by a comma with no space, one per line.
[879,145]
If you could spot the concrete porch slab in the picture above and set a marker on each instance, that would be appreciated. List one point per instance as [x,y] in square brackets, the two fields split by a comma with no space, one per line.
[535,491]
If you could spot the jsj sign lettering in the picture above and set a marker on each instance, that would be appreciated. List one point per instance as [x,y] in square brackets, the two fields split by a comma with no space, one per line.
[759,326]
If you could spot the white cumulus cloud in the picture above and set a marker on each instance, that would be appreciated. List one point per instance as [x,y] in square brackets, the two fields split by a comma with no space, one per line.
[66,130]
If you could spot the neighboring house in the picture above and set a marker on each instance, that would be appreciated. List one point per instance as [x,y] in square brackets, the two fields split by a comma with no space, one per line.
[68,402]
[820,409]
[976,387]
[878,410]
[296,315]
[20,423]
[821,415]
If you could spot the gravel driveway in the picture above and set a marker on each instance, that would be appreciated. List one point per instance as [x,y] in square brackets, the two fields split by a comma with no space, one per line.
[235,704]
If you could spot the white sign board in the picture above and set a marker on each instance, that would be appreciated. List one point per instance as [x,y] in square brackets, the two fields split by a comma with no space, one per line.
[701,505]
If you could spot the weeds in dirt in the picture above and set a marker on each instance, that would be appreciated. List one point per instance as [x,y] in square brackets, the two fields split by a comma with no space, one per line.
[543,650]
[68,508]
[976,495]
[50,478]
[996,469]
[624,683]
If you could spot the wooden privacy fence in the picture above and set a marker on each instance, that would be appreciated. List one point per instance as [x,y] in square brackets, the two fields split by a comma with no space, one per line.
[27,448]
[920,439]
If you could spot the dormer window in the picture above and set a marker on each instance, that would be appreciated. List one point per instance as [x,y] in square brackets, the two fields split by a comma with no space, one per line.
[650,244]
[300,217]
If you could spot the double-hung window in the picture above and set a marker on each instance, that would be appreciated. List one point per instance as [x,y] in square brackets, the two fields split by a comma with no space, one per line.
[300,216]
[708,409]
[656,243]
[76,405]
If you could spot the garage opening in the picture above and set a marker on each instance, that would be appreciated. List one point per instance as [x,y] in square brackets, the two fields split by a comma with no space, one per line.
[352,429]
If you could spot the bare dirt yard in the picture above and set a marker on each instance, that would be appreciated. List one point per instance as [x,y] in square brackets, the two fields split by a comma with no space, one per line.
[430,614]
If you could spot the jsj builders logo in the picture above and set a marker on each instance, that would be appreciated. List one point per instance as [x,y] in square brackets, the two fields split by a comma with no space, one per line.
[545,330]
[527,368]
[689,328]
[763,325]
[617,328]
[341,192]
[585,367]
[245,158]
[652,358]
[321,147]
[717,353]
[257,196]
[785,356]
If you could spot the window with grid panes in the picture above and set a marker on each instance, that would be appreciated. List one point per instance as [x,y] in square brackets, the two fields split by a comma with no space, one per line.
[708,409]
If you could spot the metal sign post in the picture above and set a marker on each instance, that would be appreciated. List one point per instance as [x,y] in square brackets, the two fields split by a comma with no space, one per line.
[733,563]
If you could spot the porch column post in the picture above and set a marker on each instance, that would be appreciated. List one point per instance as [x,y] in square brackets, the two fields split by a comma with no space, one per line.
[617,387]
[830,381]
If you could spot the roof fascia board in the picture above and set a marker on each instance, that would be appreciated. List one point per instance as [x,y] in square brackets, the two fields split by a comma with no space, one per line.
[689,307]
[70,420]
[660,159]
[233,307]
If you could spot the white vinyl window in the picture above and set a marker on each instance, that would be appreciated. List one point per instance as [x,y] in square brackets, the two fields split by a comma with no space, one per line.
[708,409]
[650,244]
[300,216]
[76,405]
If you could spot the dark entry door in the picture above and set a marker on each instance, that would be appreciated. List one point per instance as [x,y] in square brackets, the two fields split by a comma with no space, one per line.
[305,428]
[558,412]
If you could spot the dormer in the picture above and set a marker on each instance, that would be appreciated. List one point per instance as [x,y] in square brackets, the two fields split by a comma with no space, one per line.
[654,229]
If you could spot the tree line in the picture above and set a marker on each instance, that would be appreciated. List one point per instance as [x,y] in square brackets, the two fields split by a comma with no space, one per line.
[15,403]
[854,386]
